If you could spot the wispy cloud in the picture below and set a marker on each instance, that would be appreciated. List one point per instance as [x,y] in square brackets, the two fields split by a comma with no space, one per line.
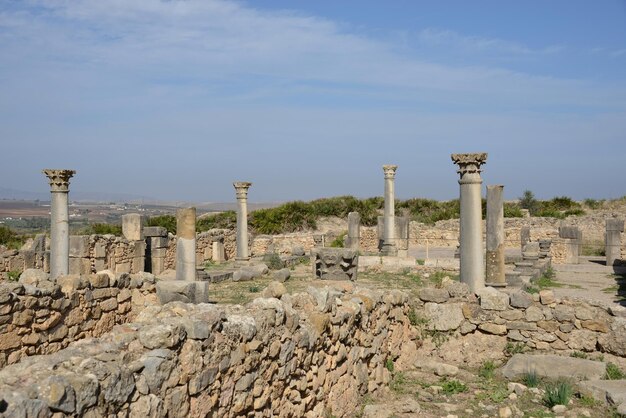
[473,44]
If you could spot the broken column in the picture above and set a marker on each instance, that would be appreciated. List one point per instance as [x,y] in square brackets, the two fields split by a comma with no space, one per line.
[524,236]
[573,240]
[471,250]
[59,222]
[157,242]
[132,227]
[186,244]
[241,188]
[495,274]
[217,249]
[389,244]
[354,230]
[613,240]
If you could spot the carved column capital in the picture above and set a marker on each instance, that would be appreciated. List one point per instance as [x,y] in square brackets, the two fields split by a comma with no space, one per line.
[390,171]
[469,163]
[241,188]
[59,179]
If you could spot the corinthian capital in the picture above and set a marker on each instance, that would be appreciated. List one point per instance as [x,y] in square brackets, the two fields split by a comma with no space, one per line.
[390,171]
[59,179]
[241,188]
[469,163]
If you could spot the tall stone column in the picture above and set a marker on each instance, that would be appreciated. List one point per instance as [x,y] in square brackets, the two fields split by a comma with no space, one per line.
[472,262]
[389,242]
[59,222]
[613,248]
[495,237]
[186,244]
[241,188]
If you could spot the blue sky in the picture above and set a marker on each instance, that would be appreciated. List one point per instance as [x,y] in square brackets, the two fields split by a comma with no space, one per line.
[177,99]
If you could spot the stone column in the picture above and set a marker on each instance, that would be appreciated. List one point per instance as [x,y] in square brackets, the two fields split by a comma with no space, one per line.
[59,222]
[524,236]
[217,248]
[471,250]
[389,242]
[354,230]
[495,237]
[241,188]
[186,244]
[613,240]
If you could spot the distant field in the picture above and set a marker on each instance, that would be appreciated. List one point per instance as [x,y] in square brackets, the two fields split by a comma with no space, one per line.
[18,209]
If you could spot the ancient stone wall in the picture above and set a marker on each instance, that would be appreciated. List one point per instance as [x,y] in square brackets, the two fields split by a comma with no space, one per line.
[307,355]
[538,321]
[44,317]
[282,244]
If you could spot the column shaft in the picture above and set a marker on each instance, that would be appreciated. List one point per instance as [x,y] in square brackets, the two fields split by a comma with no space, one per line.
[59,235]
[389,242]
[242,220]
[354,230]
[186,244]
[495,273]
[471,248]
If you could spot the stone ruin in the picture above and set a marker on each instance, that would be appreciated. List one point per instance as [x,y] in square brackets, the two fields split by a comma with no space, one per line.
[335,264]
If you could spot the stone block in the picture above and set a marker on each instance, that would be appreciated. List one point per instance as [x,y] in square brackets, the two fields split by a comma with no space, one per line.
[158,242]
[99,250]
[79,246]
[182,291]
[615,225]
[138,248]
[570,232]
[154,231]
[492,299]
[157,265]
[336,264]
[443,317]
[553,366]
[132,227]
[80,265]
[138,264]
[158,252]
[122,268]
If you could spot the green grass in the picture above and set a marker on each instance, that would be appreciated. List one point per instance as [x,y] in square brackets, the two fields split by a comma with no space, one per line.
[587,401]
[10,238]
[613,372]
[389,364]
[530,379]
[514,348]
[452,386]
[579,354]
[558,393]
[14,275]
[487,370]
[338,242]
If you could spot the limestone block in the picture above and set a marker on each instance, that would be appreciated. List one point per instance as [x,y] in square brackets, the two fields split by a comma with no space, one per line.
[492,299]
[158,242]
[79,246]
[99,250]
[615,225]
[182,291]
[553,366]
[80,265]
[521,299]
[430,294]
[443,317]
[154,231]
[33,276]
[132,226]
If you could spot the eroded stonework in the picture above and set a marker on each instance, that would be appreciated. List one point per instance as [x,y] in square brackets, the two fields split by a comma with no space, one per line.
[335,264]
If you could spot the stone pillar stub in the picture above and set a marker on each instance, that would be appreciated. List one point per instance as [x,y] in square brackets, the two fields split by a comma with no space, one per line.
[389,244]
[59,221]
[573,237]
[495,273]
[613,240]
[132,226]
[241,189]
[471,249]
[354,230]
[524,236]
[186,244]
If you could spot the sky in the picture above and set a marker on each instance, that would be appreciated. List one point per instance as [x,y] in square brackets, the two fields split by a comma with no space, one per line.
[175,100]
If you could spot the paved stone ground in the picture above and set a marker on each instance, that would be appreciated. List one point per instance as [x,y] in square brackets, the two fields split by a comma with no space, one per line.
[592,280]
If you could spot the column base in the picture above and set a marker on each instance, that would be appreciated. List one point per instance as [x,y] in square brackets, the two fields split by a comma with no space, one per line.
[496,284]
[389,250]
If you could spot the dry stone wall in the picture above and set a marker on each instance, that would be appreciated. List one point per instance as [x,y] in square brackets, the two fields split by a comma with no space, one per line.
[42,317]
[307,355]
[539,321]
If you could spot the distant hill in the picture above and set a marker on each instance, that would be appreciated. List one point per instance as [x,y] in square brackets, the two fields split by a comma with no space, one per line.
[13,194]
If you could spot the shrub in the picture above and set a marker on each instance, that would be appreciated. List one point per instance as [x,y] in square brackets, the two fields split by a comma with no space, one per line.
[166,221]
[102,229]
[338,242]
[14,275]
[389,364]
[430,211]
[558,394]
[593,203]
[273,261]
[222,220]
[512,210]
[528,201]
[10,239]
[514,348]
[579,354]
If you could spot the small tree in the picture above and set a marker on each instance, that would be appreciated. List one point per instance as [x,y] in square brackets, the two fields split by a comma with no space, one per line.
[528,201]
